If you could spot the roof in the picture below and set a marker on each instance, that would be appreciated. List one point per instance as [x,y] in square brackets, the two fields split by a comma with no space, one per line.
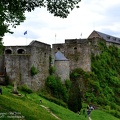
[38,42]
[60,56]
[108,38]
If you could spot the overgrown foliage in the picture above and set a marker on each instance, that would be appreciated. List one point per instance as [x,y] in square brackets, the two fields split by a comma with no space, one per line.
[25,89]
[102,85]
[7,80]
[74,102]
[34,70]
[52,70]
[56,88]
[106,79]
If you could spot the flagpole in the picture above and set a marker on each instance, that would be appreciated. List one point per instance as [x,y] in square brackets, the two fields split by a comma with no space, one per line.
[81,36]
[55,37]
[25,33]
[26,39]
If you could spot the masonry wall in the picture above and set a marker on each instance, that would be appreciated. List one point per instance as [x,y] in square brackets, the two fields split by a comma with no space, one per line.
[18,69]
[40,59]
[18,65]
[18,60]
[62,69]
[77,51]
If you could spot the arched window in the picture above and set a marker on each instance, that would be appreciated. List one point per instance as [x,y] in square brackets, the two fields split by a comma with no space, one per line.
[21,51]
[45,54]
[75,50]
[8,51]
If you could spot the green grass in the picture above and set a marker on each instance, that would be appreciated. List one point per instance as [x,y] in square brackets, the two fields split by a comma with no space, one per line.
[29,107]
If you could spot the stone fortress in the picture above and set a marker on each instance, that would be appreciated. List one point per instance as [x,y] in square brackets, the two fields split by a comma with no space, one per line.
[17,61]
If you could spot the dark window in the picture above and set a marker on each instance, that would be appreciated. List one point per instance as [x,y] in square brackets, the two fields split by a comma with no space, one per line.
[45,55]
[58,48]
[8,51]
[21,51]
[75,48]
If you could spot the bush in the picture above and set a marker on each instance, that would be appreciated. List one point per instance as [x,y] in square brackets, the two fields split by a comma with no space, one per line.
[74,101]
[107,107]
[25,89]
[68,84]
[34,70]
[113,106]
[51,70]
[55,87]
[7,81]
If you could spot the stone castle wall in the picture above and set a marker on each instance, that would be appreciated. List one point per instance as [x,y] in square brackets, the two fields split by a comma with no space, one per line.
[77,51]
[62,70]
[19,61]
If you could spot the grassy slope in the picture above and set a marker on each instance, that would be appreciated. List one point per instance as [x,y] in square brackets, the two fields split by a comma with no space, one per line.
[30,108]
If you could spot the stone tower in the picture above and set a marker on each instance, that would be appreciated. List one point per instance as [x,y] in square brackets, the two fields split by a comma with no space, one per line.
[62,66]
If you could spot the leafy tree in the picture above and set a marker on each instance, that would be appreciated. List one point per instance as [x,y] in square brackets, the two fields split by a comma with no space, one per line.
[75,94]
[1,47]
[12,11]
[74,101]
[56,88]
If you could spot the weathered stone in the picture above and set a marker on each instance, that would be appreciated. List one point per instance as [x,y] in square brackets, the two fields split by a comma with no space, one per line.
[17,61]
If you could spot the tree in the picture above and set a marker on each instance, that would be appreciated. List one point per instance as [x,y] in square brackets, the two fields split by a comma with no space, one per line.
[12,12]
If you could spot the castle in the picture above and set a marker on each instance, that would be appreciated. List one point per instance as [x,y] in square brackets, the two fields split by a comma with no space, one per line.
[17,61]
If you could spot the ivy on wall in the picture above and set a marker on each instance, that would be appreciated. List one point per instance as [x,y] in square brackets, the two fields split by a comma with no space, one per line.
[34,70]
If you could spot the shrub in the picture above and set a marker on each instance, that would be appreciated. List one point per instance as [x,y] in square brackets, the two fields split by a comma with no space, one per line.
[25,89]
[7,82]
[107,107]
[68,84]
[51,84]
[113,106]
[56,88]
[51,70]
[34,70]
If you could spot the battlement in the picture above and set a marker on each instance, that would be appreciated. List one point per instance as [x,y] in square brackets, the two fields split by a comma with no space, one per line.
[75,41]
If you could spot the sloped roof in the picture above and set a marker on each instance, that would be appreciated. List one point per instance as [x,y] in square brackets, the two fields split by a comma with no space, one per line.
[60,57]
[108,38]
[38,42]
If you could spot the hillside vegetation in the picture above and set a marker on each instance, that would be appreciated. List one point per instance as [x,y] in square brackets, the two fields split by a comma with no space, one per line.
[28,107]
[101,86]
[106,69]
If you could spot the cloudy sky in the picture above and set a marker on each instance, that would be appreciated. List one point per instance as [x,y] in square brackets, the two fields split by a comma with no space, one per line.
[100,15]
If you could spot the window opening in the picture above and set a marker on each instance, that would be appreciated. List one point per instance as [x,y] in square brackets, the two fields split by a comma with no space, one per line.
[21,51]
[8,51]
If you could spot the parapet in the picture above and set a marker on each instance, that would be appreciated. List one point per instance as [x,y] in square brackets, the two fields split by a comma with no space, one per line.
[75,41]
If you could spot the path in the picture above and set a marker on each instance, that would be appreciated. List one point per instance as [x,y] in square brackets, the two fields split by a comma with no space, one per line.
[50,112]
